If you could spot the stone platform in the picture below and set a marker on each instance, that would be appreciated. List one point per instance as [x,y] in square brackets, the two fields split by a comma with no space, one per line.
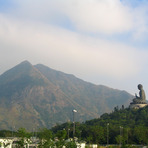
[137,106]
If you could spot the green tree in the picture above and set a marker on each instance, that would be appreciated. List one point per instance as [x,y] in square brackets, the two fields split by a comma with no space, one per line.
[141,135]
[24,137]
[61,134]
[71,144]
[45,135]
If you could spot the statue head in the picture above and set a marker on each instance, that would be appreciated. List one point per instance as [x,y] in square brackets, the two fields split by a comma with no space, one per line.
[140,86]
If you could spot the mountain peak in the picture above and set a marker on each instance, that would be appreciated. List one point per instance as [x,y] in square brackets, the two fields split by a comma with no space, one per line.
[21,72]
[25,62]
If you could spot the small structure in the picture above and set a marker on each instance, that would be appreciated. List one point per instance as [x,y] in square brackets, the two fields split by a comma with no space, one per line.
[139,101]
[80,145]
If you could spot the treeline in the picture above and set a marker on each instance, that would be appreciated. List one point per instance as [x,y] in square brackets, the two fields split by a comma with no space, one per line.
[43,138]
[122,126]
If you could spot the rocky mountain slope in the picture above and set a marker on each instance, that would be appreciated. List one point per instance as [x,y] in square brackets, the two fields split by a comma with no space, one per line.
[37,96]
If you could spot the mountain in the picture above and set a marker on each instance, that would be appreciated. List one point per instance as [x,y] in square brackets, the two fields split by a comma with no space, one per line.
[38,96]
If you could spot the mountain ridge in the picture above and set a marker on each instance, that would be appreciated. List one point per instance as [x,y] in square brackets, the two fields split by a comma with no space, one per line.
[38,96]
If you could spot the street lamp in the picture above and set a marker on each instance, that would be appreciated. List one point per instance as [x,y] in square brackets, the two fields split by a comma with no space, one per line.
[107,134]
[127,136]
[74,111]
[121,128]
[13,130]
[68,132]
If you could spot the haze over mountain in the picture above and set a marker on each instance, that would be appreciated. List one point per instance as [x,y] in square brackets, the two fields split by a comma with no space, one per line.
[38,96]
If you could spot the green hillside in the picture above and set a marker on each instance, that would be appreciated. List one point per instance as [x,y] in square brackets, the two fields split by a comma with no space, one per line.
[126,126]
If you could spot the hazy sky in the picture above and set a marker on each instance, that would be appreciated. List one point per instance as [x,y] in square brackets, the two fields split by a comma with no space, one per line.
[100,41]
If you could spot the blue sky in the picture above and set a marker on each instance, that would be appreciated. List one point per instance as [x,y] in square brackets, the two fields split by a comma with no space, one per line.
[99,41]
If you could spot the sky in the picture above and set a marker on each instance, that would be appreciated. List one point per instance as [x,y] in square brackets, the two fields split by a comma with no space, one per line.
[104,42]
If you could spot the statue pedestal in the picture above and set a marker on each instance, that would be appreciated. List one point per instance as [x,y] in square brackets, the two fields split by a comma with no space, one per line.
[137,106]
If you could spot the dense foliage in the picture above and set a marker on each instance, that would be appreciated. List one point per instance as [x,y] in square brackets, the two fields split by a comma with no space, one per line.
[122,126]
[129,126]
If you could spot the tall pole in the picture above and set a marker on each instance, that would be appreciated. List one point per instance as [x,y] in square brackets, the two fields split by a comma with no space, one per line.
[73,124]
[74,111]
[68,133]
[127,136]
[120,136]
[107,134]
[121,128]
[14,131]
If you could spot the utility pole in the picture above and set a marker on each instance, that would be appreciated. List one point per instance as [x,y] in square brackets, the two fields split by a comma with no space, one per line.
[121,132]
[74,111]
[107,134]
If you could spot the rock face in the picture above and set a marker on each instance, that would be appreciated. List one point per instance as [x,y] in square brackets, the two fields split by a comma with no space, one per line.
[38,96]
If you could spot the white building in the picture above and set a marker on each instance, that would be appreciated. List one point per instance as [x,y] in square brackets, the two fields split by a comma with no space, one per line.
[6,143]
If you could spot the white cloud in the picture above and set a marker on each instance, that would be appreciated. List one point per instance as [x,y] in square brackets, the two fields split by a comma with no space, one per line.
[103,16]
[69,51]
[27,32]
[140,28]
[95,16]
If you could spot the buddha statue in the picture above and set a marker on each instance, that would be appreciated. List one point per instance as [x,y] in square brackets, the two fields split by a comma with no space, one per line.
[141,99]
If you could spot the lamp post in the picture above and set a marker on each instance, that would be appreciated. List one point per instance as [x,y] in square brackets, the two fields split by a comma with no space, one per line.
[13,130]
[121,128]
[74,111]
[68,132]
[107,134]
[127,136]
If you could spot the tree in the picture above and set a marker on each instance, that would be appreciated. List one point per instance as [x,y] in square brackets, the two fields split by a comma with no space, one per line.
[141,135]
[61,134]
[45,135]
[71,144]
[122,107]
[24,137]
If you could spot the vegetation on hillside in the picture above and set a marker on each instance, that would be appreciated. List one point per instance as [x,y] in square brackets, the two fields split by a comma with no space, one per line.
[126,126]
[122,126]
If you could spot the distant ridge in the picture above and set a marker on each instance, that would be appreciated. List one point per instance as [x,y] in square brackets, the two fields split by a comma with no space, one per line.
[38,96]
